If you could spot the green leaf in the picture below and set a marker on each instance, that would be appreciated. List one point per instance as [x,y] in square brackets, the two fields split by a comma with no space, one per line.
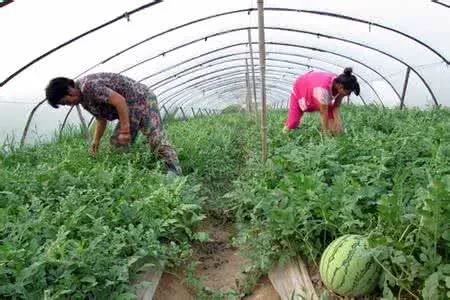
[202,236]
[430,290]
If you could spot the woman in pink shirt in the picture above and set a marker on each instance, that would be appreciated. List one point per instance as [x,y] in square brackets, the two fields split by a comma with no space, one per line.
[320,91]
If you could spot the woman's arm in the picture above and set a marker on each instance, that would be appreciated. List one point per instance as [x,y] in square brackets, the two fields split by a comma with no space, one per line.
[100,126]
[336,126]
[119,102]
[293,118]
[324,117]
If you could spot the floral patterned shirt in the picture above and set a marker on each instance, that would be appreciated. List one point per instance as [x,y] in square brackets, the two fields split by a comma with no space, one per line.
[97,88]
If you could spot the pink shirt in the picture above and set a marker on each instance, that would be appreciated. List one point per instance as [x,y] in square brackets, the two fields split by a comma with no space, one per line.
[309,91]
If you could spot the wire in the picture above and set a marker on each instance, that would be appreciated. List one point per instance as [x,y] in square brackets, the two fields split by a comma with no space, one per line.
[124,15]
[17,102]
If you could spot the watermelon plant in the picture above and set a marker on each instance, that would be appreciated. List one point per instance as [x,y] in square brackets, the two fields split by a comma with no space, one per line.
[73,226]
[387,178]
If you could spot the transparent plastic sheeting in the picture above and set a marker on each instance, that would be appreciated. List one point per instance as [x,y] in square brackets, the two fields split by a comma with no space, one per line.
[221,79]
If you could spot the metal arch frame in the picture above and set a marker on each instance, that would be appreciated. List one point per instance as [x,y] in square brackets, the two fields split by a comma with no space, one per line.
[249,10]
[200,85]
[271,59]
[289,68]
[208,80]
[285,29]
[269,52]
[177,75]
[241,76]
[310,48]
[221,91]
[440,3]
[283,73]
[201,64]
[224,92]
[228,68]
[6,2]
[197,57]
[227,96]
[232,87]
[127,14]
[299,31]
[69,113]
[165,101]
[236,79]
[180,97]
[282,92]
[224,100]
[225,82]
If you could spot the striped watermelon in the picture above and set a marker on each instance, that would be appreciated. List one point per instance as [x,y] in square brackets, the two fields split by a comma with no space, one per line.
[347,267]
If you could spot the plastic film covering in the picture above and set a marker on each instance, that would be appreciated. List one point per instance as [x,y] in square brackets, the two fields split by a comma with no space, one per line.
[204,65]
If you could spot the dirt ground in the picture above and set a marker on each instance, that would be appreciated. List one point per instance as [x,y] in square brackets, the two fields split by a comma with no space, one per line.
[171,286]
[219,265]
[264,290]
[219,268]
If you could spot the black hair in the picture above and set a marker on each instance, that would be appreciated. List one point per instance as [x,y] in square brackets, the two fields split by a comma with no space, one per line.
[58,88]
[349,81]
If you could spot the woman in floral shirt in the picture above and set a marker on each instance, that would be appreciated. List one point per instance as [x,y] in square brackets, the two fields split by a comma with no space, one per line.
[110,96]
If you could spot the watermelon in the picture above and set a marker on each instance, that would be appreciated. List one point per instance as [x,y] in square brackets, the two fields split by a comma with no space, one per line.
[348,268]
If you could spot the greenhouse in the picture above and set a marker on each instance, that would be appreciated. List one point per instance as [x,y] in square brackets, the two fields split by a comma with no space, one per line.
[260,149]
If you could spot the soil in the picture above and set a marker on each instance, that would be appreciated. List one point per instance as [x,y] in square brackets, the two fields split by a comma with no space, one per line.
[264,290]
[219,265]
[171,286]
[219,268]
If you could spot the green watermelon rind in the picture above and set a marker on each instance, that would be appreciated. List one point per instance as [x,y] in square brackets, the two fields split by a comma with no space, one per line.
[344,252]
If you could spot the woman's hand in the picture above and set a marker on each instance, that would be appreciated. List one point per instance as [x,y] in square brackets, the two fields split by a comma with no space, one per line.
[338,130]
[94,148]
[124,138]
[335,127]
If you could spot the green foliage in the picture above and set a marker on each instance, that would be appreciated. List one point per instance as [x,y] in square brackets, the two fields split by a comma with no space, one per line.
[230,109]
[213,150]
[387,178]
[75,226]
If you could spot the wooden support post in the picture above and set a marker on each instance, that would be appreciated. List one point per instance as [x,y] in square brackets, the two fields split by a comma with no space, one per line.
[262,63]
